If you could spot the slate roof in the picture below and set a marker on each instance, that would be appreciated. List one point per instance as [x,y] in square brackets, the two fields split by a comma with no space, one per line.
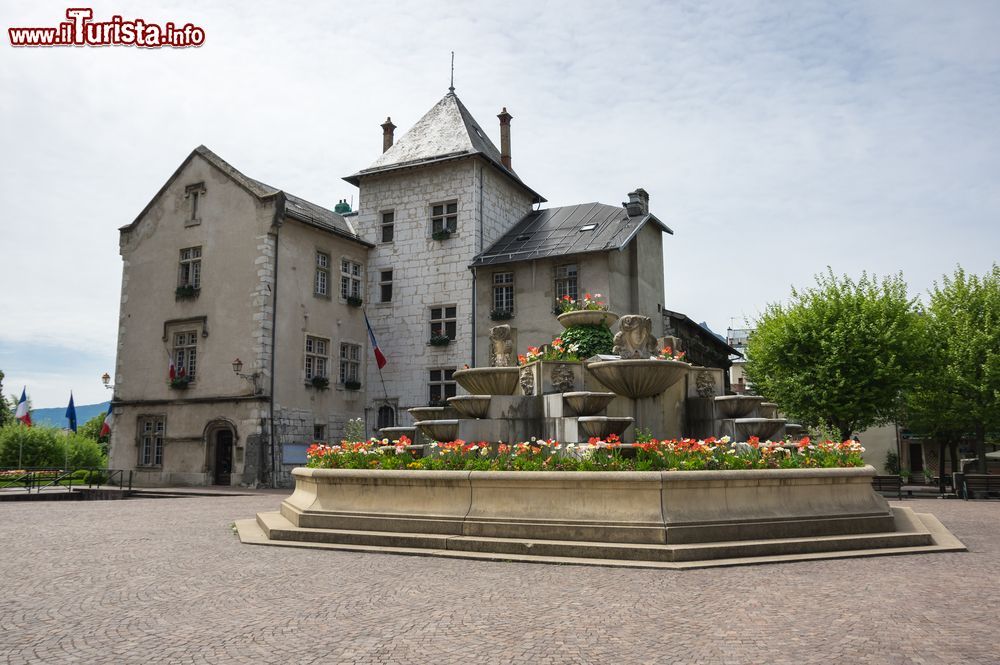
[447,131]
[560,231]
[709,334]
[295,207]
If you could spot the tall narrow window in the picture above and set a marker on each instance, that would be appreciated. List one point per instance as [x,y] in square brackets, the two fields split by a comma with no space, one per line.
[321,283]
[186,353]
[350,363]
[317,357]
[194,194]
[388,225]
[444,217]
[442,385]
[443,321]
[385,285]
[151,432]
[503,292]
[319,432]
[566,281]
[350,279]
[189,274]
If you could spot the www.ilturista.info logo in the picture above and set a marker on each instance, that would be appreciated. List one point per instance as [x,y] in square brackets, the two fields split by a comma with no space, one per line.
[80,30]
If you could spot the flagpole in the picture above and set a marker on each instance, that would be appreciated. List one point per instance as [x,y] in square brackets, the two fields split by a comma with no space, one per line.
[385,392]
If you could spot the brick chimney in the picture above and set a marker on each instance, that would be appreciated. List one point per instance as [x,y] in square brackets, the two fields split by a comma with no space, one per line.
[387,128]
[505,119]
[638,203]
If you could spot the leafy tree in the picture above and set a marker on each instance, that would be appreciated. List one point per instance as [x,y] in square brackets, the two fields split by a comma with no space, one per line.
[838,354]
[92,430]
[41,446]
[5,414]
[957,394]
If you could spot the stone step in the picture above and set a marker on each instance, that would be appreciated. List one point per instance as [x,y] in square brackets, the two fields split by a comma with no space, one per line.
[912,534]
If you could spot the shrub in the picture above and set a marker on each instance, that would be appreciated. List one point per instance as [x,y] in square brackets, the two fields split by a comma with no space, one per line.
[41,446]
[591,339]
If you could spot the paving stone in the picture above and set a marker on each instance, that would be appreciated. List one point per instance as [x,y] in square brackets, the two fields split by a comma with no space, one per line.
[166,581]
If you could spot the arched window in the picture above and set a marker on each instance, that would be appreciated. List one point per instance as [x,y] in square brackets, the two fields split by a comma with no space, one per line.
[386,416]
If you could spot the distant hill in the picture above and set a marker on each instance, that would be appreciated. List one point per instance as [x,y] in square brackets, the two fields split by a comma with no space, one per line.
[56,416]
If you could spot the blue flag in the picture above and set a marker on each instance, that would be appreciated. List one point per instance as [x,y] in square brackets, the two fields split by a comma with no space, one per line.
[71,412]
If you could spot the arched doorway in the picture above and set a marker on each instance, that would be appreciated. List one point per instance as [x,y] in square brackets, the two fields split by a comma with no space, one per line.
[220,440]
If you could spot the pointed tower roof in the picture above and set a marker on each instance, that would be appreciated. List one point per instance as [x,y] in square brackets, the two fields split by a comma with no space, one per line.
[447,131]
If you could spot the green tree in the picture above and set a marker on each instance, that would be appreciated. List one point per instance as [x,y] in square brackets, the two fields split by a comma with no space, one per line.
[838,354]
[957,394]
[5,414]
[92,430]
[40,446]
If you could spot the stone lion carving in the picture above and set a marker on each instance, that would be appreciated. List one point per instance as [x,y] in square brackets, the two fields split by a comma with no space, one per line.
[705,384]
[528,381]
[501,347]
[635,337]
[563,380]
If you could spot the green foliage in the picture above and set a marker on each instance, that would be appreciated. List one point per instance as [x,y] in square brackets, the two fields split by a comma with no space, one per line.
[354,430]
[592,339]
[957,393]
[5,414]
[92,430]
[47,447]
[840,353]
[892,462]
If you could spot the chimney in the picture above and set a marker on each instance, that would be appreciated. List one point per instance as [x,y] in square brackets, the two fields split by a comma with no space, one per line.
[505,119]
[387,128]
[638,203]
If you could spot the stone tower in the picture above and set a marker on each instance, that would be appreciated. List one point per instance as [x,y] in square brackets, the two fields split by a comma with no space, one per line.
[434,199]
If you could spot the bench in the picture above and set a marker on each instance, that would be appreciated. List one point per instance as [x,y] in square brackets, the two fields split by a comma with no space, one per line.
[980,486]
[890,484]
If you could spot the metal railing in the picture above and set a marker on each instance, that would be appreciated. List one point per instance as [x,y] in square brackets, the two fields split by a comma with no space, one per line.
[38,479]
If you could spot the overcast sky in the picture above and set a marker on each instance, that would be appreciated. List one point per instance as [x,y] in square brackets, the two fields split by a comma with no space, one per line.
[774,138]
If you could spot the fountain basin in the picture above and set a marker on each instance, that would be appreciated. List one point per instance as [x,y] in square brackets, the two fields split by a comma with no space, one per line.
[794,430]
[439,430]
[488,380]
[470,406]
[588,317]
[762,428]
[603,426]
[427,413]
[393,433]
[584,403]
[768,410]
[736,406]
[638,378]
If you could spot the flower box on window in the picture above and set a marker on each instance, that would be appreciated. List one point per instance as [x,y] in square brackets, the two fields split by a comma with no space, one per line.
[354,301]
[443,234]
[186,292]
[320,382]
[180,382]
[501,314]
[352,385]
[440,340]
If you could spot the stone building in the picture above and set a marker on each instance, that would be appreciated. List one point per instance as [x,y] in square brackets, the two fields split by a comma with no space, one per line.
[447,238]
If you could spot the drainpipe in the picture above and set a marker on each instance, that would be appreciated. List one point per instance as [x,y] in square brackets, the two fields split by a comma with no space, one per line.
[472,363]
[279,211]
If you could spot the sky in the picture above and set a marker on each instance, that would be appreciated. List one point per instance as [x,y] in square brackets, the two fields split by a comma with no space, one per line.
[774,138]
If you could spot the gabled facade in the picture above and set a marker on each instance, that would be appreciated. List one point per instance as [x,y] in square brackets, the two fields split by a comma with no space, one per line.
[217,267]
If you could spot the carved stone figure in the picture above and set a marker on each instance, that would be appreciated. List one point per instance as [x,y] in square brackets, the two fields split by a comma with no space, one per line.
[501,347]
[563,380]
[705,384]
[528,381]
[635,337]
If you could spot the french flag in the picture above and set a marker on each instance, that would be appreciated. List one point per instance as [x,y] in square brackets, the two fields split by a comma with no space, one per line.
[173,371]
[22,412]
[379,357]
[106,427]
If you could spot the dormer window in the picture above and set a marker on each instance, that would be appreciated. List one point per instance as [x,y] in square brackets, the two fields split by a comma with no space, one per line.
[194,193]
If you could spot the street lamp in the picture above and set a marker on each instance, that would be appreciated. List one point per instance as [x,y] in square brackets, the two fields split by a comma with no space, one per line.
[251,377]
[106,380]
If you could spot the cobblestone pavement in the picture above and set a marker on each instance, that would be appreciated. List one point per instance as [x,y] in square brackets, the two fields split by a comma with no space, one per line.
[166,581]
